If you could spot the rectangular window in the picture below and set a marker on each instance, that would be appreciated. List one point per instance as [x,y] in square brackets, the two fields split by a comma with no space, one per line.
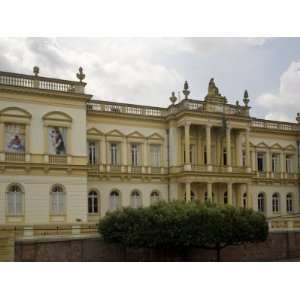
[14,138]
[275,163]
[205,156]
[114,154]
[135,154]
[244,158]
[155,155]
[288,162]
[260,162]
[224,157]
[92,145]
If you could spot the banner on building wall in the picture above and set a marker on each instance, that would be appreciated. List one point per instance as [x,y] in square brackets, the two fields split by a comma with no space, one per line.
[14,138]
[57,140]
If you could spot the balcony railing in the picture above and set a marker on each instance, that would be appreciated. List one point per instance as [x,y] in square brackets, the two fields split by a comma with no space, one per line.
[15,157]
[261,123]
[43,83]
[57,159]
[114,107]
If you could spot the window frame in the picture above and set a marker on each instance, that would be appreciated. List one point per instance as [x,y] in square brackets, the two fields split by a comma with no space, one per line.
[21,194]
[60,209]
[276,203]
[93,196]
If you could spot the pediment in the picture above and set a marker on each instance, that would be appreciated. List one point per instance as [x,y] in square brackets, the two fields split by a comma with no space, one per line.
[276,146]
[155,136]
[114,132]
[94,131]
[290,148]
[15,112]
[57,116]
[262,145]
[136,135]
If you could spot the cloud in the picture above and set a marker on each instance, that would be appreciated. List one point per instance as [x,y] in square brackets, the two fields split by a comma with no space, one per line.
[283,105]
[137,70]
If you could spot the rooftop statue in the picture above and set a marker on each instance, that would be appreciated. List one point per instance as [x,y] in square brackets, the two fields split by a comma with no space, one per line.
[212,88]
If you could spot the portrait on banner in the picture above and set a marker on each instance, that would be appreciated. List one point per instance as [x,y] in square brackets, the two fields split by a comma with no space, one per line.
[15,138]
[57,140]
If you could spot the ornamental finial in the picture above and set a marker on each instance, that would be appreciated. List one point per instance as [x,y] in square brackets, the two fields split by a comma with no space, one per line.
[173,98]
[36,71]
[80,75]
[246,98]
[186,91]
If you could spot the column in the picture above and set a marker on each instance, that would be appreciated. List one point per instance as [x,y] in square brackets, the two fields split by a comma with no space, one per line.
[253,160]
[268,166]
[124,154]
[27,142]
[238,147]
[173,137]
[208,147]
[239,196]
[145,156]
[229,193]
[249,195]
[228,149]
[247,141]
[103,155]
[188,192]
[282,164]
[2,156]
[209,191]
[199,152]
[187,163]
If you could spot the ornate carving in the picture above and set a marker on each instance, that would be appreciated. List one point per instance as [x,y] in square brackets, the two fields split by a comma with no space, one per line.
[246,98]
[186,91]
[212,88]
[36,71]
[80,75]
[173,98]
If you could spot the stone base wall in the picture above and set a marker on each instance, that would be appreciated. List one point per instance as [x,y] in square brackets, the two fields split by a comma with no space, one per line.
[279,246]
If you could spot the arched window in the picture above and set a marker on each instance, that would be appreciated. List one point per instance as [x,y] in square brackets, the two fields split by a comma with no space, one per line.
[114,198]
[15,200]
[93,202]
[225,198]
[245,200]
[289,202]
[136,199]
[193,197]
[154,197]
[261,202]
[275,203]
[57,200]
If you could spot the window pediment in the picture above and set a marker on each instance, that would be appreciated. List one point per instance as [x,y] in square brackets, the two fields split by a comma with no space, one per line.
[94,131]
[155,136]
[10,114]
[115,133]
[290,148]
[57,116]
[136,135]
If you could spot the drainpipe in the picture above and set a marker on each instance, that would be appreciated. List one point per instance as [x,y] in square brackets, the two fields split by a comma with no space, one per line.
[168,161]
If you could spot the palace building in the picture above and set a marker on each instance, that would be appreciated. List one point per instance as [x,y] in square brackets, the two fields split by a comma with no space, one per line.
[66,158]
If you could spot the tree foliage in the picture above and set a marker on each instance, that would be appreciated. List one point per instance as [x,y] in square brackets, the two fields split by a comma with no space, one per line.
[182,225]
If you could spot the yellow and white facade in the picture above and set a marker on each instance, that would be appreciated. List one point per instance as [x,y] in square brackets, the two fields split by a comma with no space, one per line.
[68,159]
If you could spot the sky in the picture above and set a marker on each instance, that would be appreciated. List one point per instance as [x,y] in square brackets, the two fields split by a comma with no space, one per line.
[146,70]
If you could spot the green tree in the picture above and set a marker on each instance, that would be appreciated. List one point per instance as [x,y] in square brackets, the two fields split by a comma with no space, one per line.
[182,226]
